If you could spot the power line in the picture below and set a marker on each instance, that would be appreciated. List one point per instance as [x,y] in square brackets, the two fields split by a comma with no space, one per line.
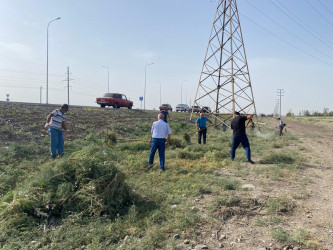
[320,14]
[302,24]
[9,78]
[27,72]
[292,45]
[325,7]
[302,40]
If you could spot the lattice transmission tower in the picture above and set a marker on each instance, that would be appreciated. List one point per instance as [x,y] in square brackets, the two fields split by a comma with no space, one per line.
[225,84]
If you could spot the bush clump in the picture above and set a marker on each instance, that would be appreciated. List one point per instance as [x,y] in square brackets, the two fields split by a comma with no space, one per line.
[85,184]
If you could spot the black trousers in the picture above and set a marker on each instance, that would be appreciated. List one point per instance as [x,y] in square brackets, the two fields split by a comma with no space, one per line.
[202,133]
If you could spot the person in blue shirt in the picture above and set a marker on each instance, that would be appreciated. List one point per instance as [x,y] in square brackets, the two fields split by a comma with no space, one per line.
[202,127]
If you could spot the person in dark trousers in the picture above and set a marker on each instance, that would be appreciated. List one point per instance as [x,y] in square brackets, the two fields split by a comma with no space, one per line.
[55,123]
[159,131]
[165,115]
[239,136]
[202,127]
[281,126]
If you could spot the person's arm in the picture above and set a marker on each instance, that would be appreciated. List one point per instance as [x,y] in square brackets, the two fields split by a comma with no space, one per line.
[168,139]
[249,117]
[151,133]
[65,127]
[48,119]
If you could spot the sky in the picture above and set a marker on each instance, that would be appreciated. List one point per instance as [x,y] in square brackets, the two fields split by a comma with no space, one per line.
[289,45]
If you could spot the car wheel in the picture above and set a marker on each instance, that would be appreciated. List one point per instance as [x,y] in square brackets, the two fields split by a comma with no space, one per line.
[130,107]
[115,106]
[102,105]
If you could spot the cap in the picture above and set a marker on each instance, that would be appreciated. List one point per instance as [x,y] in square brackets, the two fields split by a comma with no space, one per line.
[237,113]
[64,106]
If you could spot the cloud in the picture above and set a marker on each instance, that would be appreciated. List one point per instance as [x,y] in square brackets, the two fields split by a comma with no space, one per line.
[146,55]
[16,51]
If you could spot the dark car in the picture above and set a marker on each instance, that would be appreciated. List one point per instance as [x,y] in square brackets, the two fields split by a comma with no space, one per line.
[205,109]
[165,106]
[115,100]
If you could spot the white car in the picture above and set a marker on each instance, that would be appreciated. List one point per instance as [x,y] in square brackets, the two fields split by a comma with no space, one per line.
[182,108]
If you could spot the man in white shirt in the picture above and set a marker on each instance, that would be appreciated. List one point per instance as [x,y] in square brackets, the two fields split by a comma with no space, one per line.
[159,131]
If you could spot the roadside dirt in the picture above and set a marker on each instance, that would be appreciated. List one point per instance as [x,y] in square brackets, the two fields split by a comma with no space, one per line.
[318,207]
[311,191]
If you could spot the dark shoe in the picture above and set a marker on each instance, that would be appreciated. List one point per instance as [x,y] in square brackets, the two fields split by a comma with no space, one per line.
[232,159]
[61,155]
[163,169]
[250,161]
[150,166]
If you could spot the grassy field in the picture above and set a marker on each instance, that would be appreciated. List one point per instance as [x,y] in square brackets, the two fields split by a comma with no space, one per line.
[101,195]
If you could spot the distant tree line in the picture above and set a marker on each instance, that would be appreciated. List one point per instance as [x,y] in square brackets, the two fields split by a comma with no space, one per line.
[326,112]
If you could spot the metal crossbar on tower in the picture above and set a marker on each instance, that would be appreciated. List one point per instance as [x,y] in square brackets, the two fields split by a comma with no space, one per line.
[225,79]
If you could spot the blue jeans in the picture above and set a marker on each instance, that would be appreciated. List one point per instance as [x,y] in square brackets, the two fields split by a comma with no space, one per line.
[157,143]
[57,142]
[236,140]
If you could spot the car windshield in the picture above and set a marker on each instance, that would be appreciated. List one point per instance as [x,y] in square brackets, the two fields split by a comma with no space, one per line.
[108,95]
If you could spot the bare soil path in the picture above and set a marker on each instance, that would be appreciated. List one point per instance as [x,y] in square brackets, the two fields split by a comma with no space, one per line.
[314,207]
[317,216]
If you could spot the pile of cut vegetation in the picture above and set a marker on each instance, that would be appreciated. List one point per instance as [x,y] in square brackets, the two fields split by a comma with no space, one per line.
[85,184]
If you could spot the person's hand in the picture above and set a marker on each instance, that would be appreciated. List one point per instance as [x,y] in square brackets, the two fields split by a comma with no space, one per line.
[150,141]
[166,143]
[46,126]
[68,131]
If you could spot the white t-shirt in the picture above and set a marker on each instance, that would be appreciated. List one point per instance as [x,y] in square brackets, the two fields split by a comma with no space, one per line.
[160,129]
[57,119]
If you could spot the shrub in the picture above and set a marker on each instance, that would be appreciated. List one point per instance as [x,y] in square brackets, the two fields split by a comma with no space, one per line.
[187,138]
[85,184]
[176,143]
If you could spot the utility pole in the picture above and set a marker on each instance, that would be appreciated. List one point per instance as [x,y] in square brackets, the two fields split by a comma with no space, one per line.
[40,94]
[68,80]
[280,93]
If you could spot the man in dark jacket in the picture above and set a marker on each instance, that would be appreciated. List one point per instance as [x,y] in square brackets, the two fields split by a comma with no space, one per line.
[239,136]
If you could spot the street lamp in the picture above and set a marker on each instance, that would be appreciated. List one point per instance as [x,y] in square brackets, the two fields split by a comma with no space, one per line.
[144,93]
[160,92]
[108,76]
[47,59]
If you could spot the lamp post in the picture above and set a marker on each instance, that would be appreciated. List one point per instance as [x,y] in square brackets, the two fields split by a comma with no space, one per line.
[160,92]
[47,59]
[144,93]
[108,76]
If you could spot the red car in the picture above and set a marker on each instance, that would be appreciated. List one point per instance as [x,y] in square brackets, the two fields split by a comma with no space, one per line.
[115,100]
[165,106]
